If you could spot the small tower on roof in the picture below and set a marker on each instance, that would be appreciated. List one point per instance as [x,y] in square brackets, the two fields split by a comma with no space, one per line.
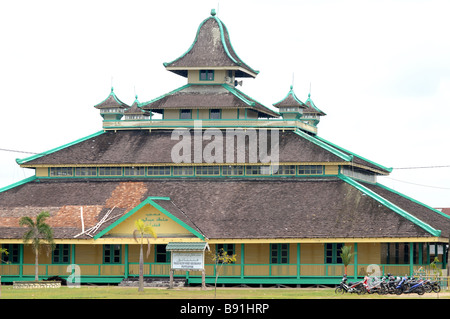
[290,107]
[311,114]
[111,108]
[135,112]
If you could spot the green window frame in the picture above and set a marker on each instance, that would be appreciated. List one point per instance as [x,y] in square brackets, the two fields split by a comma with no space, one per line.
[134,171]
[85,171]
[161,254]
[333,253]
[13,256]
[183,170]
[207,170]
[112,254]
[233,170]
[110,171]
[285,170]
[229,248]
[61,171]
[159,170]
[310,169]
[206,75]
[279,253]
[61,254]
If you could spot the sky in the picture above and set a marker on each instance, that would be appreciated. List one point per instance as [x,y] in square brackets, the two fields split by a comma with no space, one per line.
[380,70]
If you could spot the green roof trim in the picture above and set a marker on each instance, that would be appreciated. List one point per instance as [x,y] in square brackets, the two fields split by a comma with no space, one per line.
[313,105]
[391,206]
[222,39]
[324,145]
[115,98]
[356,155]
[140,105]
[413,200]
[21,182]
[150,201]
[291,92]
[25,160]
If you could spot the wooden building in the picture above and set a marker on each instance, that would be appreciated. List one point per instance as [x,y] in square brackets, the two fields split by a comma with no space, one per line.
[285,219]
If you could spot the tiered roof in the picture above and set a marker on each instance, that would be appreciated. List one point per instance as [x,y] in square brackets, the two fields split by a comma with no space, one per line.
[212,49]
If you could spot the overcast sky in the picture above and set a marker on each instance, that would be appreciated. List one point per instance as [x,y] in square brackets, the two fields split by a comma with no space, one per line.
[379,69]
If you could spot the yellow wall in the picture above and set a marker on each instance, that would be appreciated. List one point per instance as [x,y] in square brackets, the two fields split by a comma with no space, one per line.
[162,224]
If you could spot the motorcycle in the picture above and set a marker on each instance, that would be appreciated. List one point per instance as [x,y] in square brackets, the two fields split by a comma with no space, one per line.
[350,287]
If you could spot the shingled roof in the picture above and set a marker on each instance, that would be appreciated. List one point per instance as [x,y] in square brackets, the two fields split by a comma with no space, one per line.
[229,208]
[197,96]
[112,101]
[143,147]
[212,49]
[290,100]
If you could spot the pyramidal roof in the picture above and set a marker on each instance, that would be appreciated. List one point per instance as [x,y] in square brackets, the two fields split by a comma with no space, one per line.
[290,100]
[211,49]
[111,101]
[311,107]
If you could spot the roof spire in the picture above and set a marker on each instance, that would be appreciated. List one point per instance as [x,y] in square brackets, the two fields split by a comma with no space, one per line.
[213,12]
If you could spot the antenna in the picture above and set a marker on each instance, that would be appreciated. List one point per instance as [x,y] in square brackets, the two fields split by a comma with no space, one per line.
[292,84]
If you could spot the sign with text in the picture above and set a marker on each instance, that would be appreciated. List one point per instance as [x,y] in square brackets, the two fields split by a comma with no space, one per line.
[187,260]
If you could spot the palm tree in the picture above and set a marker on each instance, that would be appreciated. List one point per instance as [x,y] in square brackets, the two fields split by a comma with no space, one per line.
[38,232]
[346,256]
[141,230]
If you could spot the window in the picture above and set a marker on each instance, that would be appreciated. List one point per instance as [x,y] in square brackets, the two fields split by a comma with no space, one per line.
[229,248]
[206,75]
[158,170]
[13,254]
[110,171]
[134,171]
[279,253]
[310,170]
[61,171]
[232,170]
[285,170]
[333,253]
[183,170]
[162,255]
[207,170]
[85,171]
[111,254]
[215,114]
[185,114]
[257,170]
[61,254]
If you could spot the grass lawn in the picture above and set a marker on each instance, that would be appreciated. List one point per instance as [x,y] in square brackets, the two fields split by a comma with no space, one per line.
[115,292]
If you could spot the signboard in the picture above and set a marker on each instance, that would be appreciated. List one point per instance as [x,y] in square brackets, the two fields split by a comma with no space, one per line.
[187,260]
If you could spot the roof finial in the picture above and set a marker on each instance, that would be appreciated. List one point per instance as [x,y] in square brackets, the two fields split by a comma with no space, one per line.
[213,12]
[292,84]
[309,94]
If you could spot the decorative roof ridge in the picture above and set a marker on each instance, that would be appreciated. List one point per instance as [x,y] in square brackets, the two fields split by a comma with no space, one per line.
[312,105]
[21,182]
[222,29]
[413,200]
[291,93]
[242,96]
[388,169]
[33,157]
[115,98]
[140,105]
[403,213]
[326,146]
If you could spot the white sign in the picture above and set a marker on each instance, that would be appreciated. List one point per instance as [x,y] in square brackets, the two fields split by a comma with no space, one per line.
[187,260]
